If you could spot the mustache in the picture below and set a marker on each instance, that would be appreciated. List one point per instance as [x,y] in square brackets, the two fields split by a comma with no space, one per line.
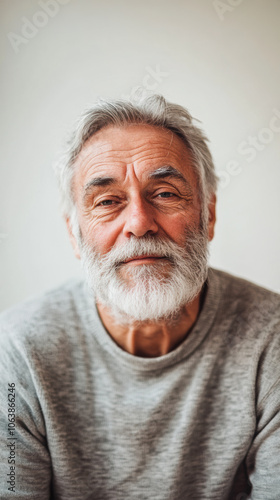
[147,245]
[137,247]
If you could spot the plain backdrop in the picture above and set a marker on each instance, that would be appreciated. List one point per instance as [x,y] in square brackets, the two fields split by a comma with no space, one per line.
[219,59]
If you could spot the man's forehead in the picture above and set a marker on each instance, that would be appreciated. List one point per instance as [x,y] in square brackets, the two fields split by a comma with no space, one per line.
[143,144]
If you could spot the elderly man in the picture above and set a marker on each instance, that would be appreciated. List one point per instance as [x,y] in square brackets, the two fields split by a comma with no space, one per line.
[157,378]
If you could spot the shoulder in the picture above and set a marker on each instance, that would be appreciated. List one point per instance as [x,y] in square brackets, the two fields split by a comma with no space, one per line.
[249,317]
[247,313]
[42,319]
[246,298]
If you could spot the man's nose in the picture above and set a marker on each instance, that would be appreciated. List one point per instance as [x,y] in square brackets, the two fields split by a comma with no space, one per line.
[139,219]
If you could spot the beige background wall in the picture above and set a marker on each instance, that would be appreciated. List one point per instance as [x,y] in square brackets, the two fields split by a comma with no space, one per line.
[218,58]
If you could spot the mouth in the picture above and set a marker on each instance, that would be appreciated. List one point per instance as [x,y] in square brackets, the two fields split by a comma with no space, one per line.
[144,259]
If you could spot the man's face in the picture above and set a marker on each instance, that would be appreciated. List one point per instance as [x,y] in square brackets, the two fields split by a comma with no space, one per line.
[132,184]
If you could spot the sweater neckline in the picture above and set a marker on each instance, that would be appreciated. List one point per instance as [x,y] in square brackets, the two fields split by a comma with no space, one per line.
[186,348]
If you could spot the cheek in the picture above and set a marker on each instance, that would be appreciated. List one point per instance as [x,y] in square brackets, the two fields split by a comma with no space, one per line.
[177,227]
[99,236]
[175,230]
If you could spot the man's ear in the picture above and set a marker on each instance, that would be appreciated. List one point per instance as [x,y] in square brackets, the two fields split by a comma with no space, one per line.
[72,238]
[211,217]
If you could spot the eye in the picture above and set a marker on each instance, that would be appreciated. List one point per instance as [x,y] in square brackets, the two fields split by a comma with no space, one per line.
[106,202]
[166,194]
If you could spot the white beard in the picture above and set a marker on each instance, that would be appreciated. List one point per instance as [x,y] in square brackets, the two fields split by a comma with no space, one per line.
[147,292]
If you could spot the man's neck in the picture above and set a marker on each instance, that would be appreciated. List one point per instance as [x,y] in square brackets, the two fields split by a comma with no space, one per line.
[152,339]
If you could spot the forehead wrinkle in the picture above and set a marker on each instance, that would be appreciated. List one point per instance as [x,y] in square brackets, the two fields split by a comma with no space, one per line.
[109,148]
[109,166]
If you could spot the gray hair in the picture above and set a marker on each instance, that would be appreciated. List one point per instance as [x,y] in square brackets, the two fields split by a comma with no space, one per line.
[152,110]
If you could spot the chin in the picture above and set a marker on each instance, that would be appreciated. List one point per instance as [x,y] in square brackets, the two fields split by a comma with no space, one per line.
[149,300]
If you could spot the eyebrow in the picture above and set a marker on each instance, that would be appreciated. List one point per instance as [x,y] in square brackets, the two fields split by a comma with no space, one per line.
[99,181]
[168,171]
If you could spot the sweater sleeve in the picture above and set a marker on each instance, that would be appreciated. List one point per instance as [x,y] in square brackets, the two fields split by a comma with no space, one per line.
[263,460]
[25,465]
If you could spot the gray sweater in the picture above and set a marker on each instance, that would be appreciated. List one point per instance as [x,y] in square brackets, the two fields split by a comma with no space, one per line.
[83,419]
